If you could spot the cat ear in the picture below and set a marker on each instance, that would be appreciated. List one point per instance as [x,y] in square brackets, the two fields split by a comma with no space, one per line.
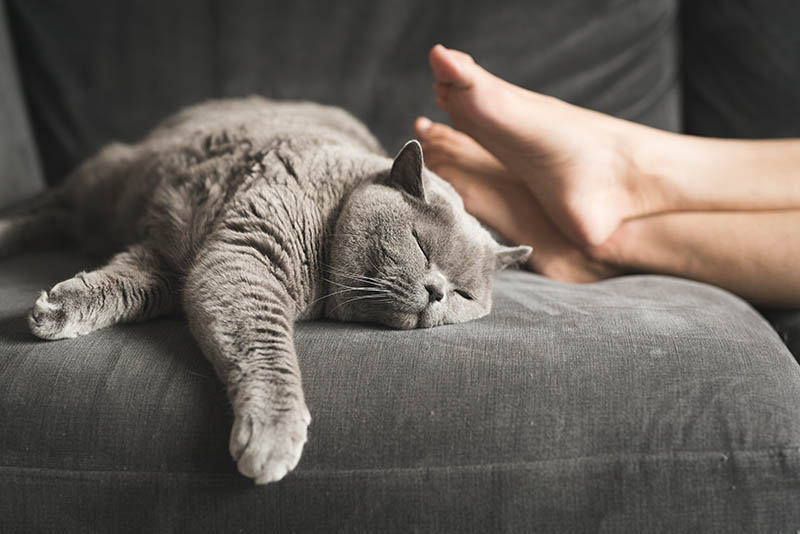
[506,256]
[406,173]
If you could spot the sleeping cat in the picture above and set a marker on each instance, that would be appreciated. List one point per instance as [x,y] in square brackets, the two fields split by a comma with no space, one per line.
[249,215]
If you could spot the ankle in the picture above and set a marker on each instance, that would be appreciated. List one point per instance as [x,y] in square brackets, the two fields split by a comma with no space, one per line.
[653,156]
[615,251]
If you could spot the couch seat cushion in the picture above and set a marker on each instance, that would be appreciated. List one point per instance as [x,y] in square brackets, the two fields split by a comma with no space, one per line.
[641,403]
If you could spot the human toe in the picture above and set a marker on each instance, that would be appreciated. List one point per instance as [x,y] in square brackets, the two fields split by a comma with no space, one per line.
[451,67]
[421,127]
[430,131]
[441,145]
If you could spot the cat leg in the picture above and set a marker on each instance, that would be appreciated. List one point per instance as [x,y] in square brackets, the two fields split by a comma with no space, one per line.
[242,316]
[133,286]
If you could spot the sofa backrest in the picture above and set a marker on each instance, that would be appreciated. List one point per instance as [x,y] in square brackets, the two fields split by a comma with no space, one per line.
[20,173]
[741,68]
[95,71]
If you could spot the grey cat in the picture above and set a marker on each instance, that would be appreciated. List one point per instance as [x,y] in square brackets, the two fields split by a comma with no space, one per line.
[249,215]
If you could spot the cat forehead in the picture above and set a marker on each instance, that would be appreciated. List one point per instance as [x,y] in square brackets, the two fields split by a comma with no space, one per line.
[466,242]
[453,207]
[442,216]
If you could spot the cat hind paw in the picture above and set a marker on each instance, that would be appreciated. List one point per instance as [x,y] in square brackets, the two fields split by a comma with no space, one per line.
[56,314]
[48,318]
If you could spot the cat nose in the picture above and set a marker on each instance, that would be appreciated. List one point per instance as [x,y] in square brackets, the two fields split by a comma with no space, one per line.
[435,292]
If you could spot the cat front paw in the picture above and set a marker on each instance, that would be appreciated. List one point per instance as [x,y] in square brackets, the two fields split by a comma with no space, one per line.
[48,318]
[267,444]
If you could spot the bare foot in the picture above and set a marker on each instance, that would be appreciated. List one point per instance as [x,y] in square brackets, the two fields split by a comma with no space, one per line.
[504,203]
[446,148]
[574,161]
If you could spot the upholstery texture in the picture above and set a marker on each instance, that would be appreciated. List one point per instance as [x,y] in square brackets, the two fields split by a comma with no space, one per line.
[642,403]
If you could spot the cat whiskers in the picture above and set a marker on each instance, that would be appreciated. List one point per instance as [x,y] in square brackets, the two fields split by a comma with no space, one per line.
[358,277]
[377,290]
[404,291]
[377,298]
[371,291]
[348,289]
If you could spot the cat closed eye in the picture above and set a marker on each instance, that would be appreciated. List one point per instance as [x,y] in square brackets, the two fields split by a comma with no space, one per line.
[464,294]
[416,238]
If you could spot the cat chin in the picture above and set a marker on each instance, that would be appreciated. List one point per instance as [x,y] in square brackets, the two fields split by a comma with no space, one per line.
[405,321]
[429,318]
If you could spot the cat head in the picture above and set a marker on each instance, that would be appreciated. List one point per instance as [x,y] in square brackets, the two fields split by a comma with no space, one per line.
[406,254]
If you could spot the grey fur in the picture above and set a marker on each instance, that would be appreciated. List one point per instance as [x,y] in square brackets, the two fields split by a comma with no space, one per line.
[249,215]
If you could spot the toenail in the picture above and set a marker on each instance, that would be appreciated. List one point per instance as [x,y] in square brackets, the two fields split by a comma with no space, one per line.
[423,123]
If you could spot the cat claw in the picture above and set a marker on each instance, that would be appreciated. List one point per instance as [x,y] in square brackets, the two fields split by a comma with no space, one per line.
[266,448]
[42,307]
[47,319]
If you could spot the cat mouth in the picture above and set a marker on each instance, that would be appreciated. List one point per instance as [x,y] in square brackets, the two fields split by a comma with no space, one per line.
[413,320]
[422,322]
[426,319]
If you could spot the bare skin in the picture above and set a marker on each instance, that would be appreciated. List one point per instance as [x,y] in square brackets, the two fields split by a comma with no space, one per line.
[501,201]
[598,196]
[751,253]
[590,171]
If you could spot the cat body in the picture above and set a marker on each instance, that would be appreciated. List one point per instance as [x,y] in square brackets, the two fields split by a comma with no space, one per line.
[249,215]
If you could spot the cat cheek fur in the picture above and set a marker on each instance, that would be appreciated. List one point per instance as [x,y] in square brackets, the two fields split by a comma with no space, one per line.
[378,265]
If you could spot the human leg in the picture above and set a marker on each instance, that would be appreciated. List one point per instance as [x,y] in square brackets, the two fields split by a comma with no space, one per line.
[751,253]
[502,202]
[591,171]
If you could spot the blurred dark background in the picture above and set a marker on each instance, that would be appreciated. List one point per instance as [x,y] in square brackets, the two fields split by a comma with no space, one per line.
[92,71]
[98,70]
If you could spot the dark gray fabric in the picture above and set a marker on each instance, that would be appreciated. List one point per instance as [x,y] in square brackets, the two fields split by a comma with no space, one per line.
[749,492]
[640,404]
[20,174]
[741,68]
[787,324]
[96,70]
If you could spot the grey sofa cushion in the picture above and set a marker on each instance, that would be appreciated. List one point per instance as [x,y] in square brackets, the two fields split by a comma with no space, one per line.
[95,70]
[20,174]
[639,404]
